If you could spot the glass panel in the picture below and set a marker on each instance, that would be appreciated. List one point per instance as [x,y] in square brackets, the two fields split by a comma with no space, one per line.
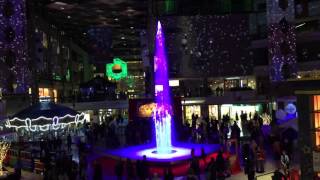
[213,111]
[316,103]
[317,120]
[196,110]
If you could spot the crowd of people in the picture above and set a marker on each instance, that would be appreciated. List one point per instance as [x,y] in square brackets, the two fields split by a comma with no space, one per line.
[205,131]
[117,132]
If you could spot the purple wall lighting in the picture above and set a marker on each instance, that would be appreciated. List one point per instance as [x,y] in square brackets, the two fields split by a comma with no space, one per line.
[14,72]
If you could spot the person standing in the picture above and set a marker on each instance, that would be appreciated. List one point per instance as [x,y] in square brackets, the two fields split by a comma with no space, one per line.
[144,168]
[119,170]
[260,160]
[130,169]
[212,170]
[168,175]
[195,166]
[69,142]
[220,165]
[285,162]
[97,171]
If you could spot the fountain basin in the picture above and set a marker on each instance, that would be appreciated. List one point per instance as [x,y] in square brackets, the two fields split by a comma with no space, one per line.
[180,152]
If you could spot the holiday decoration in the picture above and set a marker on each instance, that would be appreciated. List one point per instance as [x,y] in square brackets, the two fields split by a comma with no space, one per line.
[4,147]
[13,38]
[117,70]
[208,45]
[282,39]
[45,124]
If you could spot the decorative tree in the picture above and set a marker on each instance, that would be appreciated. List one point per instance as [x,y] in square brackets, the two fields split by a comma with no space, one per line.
[4,147]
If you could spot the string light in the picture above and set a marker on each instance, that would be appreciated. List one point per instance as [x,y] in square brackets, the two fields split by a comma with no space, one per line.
[209,44]
[54,123]
[19,70]
[282,40]
[4,147]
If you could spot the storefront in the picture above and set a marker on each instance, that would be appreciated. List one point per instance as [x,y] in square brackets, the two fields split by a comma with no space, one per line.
[233,109]
[217,111]
[102,115]
[48,94]
[189,110]
[308,103]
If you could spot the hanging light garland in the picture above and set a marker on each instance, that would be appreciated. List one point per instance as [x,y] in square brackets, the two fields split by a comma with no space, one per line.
[45,124]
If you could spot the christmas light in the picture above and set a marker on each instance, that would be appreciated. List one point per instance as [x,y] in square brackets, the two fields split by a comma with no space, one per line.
[54,123]
[208,45]
[282,40]
[4,147]
[19,71]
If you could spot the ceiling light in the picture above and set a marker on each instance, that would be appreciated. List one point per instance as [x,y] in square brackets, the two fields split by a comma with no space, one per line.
[131,27]
[69,17]
[116,19]
[300,25]
[123,37]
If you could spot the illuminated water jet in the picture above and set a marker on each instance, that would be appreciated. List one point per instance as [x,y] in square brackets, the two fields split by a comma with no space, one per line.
[162,113]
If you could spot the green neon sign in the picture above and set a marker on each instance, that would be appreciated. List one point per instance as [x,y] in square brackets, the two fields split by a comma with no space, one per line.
[117,70]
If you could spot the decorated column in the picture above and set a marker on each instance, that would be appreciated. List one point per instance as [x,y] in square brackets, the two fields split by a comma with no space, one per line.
[14,71]
[282,39]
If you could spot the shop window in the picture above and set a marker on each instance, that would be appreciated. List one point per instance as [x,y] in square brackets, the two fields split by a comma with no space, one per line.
[195,109]
[316,120]
[213,111]
[46,94]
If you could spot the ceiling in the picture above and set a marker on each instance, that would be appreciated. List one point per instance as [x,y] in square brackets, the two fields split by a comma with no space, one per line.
[124,18]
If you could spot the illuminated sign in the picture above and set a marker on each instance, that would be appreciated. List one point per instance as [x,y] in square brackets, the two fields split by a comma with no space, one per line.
[291,108]
[174,83]
[146,110]
[117,70]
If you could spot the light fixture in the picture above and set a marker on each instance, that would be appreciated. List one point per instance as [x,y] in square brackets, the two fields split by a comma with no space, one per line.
[69,17]
[300,25]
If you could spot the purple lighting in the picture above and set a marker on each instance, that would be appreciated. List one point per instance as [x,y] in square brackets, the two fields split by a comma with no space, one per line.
[15,71]
[164,152]
[162,114]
